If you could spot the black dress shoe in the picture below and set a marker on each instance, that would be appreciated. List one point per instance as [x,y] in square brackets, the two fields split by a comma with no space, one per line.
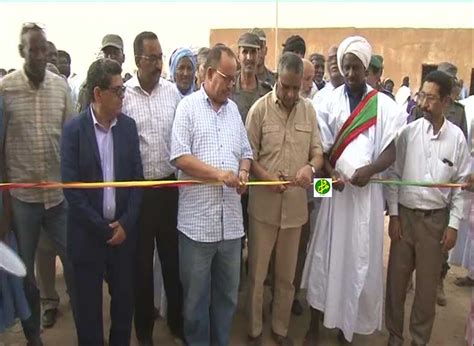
[255,341]
[297,308]
[282,340]
[35,342]
[145,342]
[49,318]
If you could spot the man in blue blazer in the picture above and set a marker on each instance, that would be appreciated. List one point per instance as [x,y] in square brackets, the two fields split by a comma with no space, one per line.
[101,144]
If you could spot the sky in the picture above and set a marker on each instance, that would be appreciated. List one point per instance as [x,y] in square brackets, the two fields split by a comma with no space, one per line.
[78,27]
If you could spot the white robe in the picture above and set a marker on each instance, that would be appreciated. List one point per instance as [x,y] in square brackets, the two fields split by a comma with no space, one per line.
[343,272]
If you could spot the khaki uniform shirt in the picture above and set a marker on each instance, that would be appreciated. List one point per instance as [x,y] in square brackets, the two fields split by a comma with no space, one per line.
[267,77]
[245,99]
[282,144]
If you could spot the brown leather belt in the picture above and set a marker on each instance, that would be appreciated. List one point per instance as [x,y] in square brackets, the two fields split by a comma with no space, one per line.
[425,212]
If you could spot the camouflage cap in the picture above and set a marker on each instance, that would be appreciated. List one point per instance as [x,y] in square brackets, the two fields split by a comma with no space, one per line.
[248,40]
[112,40]
[260,33]
[448,68]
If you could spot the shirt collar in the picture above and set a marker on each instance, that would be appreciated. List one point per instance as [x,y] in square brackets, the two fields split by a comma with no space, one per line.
[367,88]
[429,129]
[205,96]
[276,100]
[30,84]
[97,124]
[135,83]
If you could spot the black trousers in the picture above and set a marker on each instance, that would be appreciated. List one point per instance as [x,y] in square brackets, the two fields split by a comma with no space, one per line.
[117,270]
[157,223]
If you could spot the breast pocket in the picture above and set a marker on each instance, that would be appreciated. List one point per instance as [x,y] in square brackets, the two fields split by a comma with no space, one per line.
[303,135]
[271,136]
[445,170]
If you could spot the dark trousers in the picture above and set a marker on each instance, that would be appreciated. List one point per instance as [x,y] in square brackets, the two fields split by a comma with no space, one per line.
[157,223]
[117,269]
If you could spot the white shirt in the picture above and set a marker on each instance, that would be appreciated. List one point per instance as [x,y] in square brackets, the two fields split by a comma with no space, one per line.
[154,115]
[435,158]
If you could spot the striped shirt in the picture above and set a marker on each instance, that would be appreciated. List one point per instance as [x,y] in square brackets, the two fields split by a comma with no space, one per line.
[219,139]
[35,119]
[154,115]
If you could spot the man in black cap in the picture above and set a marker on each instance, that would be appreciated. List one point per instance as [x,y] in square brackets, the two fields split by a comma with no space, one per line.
[318,62]
[112,48]
[295,44]
[263,73]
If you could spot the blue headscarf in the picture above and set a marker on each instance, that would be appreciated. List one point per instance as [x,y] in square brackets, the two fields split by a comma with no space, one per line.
[177,55]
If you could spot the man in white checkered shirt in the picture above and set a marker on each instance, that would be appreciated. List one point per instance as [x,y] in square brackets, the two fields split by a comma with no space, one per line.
[151,101]
[209,142]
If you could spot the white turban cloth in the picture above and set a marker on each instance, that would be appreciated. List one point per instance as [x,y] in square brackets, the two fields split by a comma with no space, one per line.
[356,45]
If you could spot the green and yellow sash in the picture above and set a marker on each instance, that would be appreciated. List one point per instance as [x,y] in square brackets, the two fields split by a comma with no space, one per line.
[363,117]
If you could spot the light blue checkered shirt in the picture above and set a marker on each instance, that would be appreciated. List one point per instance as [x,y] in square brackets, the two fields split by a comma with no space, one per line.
[209,213]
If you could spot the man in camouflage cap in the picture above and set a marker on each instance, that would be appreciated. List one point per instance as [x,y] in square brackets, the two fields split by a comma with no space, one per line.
[263,73]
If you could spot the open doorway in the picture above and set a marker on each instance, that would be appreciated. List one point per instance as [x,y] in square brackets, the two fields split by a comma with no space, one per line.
[427,68]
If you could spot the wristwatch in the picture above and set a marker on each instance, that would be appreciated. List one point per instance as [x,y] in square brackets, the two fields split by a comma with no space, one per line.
[312,168]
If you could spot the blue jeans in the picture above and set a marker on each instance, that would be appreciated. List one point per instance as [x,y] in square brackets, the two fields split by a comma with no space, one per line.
[28,220]
[210,274]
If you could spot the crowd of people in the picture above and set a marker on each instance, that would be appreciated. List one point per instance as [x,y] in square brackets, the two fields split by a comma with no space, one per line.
[224,118]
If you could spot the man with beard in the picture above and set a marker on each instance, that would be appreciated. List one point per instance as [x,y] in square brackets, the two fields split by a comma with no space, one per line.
[424,221]
[248,88]
[112,48]
[151,101]
[344,265]
[263,73]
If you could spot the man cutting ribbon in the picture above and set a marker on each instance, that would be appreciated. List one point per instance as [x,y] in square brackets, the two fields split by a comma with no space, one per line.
[343,270]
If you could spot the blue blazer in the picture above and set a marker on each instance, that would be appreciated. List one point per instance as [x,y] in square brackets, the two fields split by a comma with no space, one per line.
[88,231]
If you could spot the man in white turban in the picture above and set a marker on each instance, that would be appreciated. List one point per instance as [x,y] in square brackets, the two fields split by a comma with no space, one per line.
[344,271]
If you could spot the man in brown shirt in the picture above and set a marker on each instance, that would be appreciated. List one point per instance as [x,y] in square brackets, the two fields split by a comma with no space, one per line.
[285,140]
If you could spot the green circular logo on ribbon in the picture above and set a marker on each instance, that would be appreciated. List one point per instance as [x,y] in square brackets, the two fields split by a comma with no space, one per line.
[322,186]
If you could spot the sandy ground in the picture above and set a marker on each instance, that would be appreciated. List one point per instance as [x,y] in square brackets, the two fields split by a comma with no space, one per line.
[449,327]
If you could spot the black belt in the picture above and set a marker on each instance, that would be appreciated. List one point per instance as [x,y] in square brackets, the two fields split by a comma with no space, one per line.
[169,177]
[425,212]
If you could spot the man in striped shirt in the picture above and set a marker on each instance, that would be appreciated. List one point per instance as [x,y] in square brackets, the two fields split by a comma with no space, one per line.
[37,103]
[151,101]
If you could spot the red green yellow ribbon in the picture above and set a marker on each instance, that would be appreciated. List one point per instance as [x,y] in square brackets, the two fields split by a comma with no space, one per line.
[178,183]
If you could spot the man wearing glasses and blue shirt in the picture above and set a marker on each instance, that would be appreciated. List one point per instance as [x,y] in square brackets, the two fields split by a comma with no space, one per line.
[209,142]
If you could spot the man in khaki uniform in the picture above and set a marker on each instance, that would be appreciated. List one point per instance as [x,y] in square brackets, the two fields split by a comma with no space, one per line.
[286,144]
[263,73]
[247,88]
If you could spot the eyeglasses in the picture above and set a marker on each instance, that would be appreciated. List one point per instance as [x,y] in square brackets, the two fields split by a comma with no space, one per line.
[228,79]
[32,25]
[151,58]
[429,98]
[118,90]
